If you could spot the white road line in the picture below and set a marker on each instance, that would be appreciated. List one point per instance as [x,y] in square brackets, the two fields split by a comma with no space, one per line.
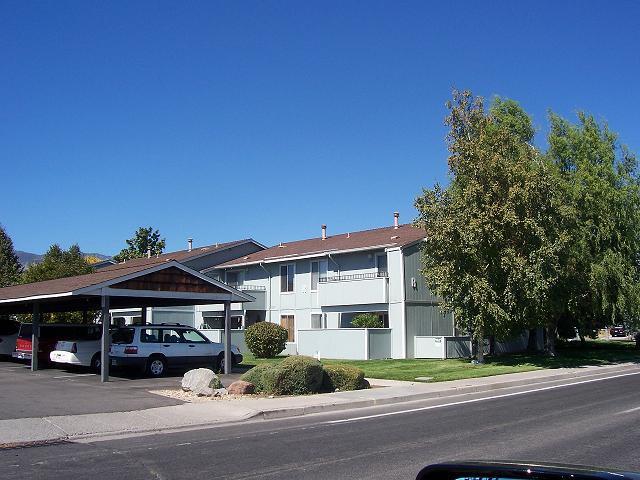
[75,375]
[475,400]
[629,411]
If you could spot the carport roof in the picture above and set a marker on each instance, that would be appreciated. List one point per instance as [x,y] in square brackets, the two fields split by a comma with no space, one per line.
[155,282]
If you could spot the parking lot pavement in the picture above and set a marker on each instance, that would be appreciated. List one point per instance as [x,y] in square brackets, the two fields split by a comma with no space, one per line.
[57,391]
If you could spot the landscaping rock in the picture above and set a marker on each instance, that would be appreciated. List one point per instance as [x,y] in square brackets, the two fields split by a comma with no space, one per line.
[220,392]
[241,388]
[201,381]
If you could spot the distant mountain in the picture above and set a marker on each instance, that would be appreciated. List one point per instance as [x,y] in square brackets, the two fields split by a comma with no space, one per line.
[26,258]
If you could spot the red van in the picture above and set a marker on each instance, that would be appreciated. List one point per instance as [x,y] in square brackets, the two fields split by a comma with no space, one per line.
[49,334]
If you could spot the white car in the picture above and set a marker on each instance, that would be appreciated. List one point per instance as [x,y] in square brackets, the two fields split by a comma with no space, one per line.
[84,351]
[155,348]
[8,336]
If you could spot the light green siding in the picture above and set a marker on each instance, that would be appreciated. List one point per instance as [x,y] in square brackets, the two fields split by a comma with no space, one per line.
[426,320]
[412,266]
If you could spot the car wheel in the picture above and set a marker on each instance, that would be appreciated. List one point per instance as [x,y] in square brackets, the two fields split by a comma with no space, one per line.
[96,363]
[156,366]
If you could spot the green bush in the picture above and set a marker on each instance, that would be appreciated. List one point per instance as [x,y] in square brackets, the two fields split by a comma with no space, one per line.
[265,339]
[262,377]
[298,375]
[367,320]
[343,377]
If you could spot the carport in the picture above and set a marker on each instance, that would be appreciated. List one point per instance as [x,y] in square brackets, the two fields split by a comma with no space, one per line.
[140,283]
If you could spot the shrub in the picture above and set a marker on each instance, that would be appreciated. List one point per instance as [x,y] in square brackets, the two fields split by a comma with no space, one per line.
[367,320]
[343,377]
[262,377]
[265,339]
[298,375]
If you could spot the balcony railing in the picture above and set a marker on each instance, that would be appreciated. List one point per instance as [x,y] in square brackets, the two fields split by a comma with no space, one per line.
[354,276]
[248,288]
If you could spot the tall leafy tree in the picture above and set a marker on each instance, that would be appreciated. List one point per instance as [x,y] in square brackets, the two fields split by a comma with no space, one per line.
[59,263]
[143,241]
[493,235]
[600,279]
[10,267]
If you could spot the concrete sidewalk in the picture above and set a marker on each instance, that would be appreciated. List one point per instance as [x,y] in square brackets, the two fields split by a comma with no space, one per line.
[15,432]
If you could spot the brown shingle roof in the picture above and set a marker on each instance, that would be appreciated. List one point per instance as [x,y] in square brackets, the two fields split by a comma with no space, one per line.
[367,239]
[179,256]
[68,284]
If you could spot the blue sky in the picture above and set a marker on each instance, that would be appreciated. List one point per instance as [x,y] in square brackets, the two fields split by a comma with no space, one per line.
[226,120]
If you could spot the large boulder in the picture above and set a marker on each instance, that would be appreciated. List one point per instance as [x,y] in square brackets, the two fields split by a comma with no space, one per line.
[241,388]
[201,381]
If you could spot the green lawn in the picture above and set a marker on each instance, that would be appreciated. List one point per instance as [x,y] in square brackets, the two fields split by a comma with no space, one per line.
[570,355]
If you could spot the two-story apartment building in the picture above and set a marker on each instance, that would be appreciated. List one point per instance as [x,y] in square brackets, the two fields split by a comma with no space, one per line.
[315,287]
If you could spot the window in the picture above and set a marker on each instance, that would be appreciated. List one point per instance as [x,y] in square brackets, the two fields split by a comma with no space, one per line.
[287,273]
[151,335]
[381,265]
[217,323]
[289,324]
[191,336]
[318,320]
[123,335]
[233,278]
[318,270]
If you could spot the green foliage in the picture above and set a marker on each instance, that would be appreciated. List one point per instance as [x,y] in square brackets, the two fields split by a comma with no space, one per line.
[262,377]
[520,238]
[599,284]
[59,263]
[10,267]
[367,320]
[298,375]
[215,382]
[143,241]
[343,377]
[266,339]
[493,236]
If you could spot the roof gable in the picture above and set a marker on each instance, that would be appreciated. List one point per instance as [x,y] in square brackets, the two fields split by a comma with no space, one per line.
[170,279]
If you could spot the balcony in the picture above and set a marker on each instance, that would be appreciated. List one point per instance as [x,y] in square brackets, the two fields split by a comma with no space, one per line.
[257,291]
[353,289]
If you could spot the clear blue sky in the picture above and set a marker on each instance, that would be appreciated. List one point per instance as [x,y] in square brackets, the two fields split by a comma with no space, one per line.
[265,119]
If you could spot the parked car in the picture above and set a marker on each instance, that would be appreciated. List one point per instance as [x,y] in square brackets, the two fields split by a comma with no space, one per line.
[155,348]
[84,350]
[618,331]
[50,334]
[8,335]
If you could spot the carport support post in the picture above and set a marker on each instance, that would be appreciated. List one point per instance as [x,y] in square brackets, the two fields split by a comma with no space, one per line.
[35,336]
[227,337]
[104,355]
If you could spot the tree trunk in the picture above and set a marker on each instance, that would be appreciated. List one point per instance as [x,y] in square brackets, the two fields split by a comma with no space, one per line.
[552,333]
[480,347]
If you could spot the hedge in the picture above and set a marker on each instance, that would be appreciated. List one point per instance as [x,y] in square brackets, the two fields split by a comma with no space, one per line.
[343,377]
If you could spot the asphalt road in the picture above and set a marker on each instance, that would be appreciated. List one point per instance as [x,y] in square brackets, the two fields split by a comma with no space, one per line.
[590,423]
[73,391]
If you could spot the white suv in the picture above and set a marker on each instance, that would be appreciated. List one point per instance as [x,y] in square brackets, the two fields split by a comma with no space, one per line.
[155,348]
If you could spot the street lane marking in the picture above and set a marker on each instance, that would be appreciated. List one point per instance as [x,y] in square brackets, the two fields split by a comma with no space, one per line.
[476,400]
[75,375]
[629,411]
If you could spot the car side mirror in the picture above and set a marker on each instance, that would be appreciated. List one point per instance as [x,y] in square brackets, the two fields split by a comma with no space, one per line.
[518,471]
